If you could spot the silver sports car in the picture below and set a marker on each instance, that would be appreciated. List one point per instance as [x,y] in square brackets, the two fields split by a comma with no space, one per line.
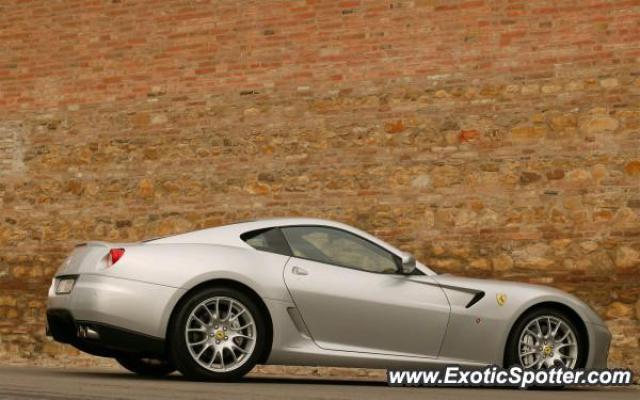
[297,291]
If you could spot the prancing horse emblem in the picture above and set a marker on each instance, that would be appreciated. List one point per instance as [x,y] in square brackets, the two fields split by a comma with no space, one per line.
[501,298]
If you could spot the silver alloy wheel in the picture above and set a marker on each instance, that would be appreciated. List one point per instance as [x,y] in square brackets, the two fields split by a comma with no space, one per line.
[547,342]
[220,334]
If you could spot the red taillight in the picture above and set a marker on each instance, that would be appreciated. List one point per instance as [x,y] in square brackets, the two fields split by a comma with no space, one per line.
[115,255]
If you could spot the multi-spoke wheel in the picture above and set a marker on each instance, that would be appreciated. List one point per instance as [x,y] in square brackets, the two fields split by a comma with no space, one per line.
[545,338]
[221,334]
[217,334]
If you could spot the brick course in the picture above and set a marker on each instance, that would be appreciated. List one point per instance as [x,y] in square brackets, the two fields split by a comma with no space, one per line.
[491,138]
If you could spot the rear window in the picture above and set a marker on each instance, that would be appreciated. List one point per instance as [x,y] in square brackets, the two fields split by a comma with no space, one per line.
[270,239]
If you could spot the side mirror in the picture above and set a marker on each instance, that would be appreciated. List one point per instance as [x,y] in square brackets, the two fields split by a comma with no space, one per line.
[408,264]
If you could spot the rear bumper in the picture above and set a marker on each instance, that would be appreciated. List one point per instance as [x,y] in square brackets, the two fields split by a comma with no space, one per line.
[102,340]
[105,315]
[128,304]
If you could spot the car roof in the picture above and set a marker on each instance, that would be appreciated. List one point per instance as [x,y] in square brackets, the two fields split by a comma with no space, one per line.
[284,221]
[230,234]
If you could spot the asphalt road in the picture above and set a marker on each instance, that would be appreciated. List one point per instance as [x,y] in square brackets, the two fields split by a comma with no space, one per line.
[58,384]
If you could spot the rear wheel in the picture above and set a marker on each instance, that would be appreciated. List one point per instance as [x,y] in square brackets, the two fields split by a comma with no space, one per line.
[146,366]
[546,338]
[217,334]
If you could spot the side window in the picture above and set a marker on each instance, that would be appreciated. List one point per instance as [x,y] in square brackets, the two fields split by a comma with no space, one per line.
[335,246]
[270,240]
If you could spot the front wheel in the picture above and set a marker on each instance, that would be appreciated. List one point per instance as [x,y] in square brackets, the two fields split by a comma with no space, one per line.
[546,338]
[146,366]
[217,334]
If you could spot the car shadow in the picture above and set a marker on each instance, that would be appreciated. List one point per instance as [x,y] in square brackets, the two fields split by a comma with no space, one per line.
[290,380]
[247,379]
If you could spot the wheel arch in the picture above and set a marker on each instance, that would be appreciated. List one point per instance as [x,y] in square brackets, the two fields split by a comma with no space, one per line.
[227,283]
[572,314]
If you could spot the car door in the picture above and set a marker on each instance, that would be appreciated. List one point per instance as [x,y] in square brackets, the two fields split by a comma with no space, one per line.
[351,297]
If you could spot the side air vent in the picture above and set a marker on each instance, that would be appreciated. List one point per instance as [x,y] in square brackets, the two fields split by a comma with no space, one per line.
[476,298]
[298,322]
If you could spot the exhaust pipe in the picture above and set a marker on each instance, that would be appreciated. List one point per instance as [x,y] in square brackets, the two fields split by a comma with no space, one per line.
[92,334]
[86,332]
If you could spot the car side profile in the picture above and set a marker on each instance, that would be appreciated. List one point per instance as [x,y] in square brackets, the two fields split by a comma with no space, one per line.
[214,303]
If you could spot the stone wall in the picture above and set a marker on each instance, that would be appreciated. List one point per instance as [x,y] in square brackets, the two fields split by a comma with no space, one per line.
[491,138]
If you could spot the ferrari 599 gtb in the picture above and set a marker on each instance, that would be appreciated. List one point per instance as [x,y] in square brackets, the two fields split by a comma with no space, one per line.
[296,291]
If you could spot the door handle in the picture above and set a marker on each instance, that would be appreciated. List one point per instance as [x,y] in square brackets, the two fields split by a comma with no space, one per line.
[299,271]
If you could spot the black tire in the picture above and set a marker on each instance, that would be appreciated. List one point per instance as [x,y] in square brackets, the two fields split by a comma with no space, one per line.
[146,366]
[511,351]
[179,351]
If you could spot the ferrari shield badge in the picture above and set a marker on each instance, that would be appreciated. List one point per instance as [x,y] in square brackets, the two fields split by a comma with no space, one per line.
[501,298]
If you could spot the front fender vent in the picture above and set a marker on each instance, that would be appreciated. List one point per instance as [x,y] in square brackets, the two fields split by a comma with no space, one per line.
[476,298]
